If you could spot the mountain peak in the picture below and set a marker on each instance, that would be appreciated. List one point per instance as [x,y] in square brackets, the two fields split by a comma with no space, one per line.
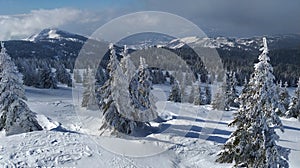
[54,34]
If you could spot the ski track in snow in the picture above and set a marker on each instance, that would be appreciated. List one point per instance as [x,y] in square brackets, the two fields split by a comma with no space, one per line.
[191,136]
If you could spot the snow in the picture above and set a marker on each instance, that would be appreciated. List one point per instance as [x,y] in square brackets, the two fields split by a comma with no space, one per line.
[188,135]
[53,35]
[202,42]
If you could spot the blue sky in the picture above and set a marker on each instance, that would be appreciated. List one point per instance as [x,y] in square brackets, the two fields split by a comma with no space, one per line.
[25,6]
[242,18]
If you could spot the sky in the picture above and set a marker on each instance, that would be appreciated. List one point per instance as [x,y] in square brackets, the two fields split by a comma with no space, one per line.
[235,18]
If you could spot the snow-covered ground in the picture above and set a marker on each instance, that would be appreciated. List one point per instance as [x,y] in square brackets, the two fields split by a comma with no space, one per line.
[186,136]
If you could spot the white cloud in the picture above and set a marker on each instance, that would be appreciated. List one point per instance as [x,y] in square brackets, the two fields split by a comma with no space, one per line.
[24,25]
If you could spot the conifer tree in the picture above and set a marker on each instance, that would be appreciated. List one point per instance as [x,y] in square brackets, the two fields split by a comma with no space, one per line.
[294,106]
[62,75]
[15,116]
[227,93]
[89,99]
[207,94]
[77,76]
[284,97]
[253,143]
[47,78]
[118,113]
[140,92]
[175,94]
[233,93]
[85,76]
[199,97]
[222,97]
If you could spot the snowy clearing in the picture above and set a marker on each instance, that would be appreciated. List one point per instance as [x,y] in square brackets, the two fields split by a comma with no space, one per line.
[187,136]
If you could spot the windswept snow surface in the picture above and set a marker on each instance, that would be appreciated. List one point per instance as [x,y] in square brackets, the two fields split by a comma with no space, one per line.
[184,136]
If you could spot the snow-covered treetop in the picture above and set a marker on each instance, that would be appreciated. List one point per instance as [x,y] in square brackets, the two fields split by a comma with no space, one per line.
[4,57]
[143,64]
[265,51]
[111,46]
[125,50]
[112,51]
[286,84]
[263,64]
[3,49]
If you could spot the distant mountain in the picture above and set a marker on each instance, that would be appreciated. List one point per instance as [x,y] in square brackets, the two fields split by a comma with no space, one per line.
[49,43]
[150,39]
[275,42]
[54,35]
[145,40]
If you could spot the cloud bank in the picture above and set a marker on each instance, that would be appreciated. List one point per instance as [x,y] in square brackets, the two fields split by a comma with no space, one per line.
[24,25]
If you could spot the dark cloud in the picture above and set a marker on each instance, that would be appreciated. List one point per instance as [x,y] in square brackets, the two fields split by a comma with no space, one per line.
[236,17]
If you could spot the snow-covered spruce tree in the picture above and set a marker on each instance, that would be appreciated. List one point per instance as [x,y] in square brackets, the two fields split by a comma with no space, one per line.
[227,93]
[29,71]
[253,143]
[192,93]
[157,76]
[207,95]
[175,94]
[15,116]
[140,91]
[222,97]
[172,79]
[141,97]
[127,65]
[89,99]
[182,82]
[85,76]
[47,78]
[62,75]
[77,76]
[116,108]
[294,106]
[233,93]
[197,97]
[284,97]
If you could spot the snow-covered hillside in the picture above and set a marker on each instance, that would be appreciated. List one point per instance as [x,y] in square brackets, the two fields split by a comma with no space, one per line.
[52,35]
[186,136]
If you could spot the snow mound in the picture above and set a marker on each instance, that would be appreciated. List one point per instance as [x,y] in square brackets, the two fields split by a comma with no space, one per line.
[46,122]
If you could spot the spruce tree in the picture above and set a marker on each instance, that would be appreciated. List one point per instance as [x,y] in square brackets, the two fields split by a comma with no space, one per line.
[116,109]
[140,93]
[222,97]
[227,93]
[294,106]
[15,116]
[207,95]
[233,93]
[253,143]
[47,78]
[89,99]
[127,65]
[62,75]
[85,76]
[77,76]
[197,96]
[192,93]
[175,94]
[284,97]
